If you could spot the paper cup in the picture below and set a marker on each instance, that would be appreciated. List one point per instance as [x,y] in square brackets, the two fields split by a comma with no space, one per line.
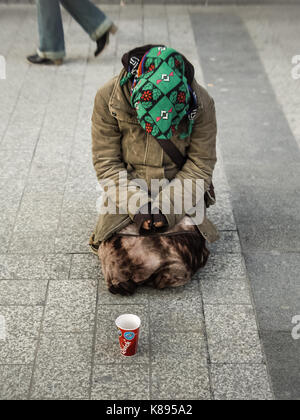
[129,328]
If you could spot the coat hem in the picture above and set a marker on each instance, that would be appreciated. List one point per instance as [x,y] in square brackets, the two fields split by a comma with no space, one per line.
[105,237]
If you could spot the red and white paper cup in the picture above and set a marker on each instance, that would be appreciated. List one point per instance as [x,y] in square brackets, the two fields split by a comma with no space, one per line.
[129,328]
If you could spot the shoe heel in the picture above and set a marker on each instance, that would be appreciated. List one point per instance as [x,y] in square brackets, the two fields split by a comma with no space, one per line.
[58,62]
[113,29]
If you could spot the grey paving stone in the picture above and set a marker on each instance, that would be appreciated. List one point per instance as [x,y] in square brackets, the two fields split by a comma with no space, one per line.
[10,160]
[11,192]
[3,243]
[10,23]
[85,266]
[267,224]
[82,182]
[241,382]
[185,292]
[61,134]
[232,334]
[285,241]
[22,325]
[68,241]
[7,220]
[223,266]
[275,281]
[107,341]
[22,292]
[177,314]
[72,241]
[220,181]
[38,217]
[74,232]
[228,243]
[32,242]
[71,306]
[178,347]
[82,170]
[114,382]
[264,40]
[8,215]
[218,291]
[219,176]
[14,382]
[178,309]
[155,31]
[221,213]
[173,381]
[257,232]
[283,356]
[81,204]
[63,367]
[6,227]
[35,267]
[40,171]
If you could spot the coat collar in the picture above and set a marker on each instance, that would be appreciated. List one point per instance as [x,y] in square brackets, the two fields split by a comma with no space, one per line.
[119,103]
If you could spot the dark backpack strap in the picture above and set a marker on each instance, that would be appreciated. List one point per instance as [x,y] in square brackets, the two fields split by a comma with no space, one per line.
[175,154]
[172,151]
[210,196]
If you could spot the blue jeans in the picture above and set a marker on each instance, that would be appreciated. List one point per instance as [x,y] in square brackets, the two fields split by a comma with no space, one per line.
[52,42]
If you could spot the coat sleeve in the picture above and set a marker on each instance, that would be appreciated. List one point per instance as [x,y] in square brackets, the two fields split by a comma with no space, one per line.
[200,163]
[108,161]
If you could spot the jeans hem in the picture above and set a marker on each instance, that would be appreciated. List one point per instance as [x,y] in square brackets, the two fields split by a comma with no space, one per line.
[51,55]
[102,29]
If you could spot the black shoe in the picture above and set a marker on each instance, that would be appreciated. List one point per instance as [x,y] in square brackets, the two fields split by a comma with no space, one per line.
[104,40]
[36,59]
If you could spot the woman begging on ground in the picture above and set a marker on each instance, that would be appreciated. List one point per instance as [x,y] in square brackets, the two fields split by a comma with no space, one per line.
[154,152]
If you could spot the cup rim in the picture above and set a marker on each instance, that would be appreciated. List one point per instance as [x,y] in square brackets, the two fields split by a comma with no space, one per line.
[133,317]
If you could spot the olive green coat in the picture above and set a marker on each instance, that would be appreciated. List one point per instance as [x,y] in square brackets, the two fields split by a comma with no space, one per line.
[120,144]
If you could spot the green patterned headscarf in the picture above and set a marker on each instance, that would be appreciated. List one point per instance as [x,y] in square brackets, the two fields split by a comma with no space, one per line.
[161,94]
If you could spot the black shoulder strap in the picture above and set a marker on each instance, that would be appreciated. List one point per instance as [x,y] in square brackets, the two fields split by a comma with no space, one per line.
[178,158]
[172,151]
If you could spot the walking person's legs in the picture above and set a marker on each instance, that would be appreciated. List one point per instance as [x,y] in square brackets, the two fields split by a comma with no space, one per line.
[52,44]
[51,34]
[92,20]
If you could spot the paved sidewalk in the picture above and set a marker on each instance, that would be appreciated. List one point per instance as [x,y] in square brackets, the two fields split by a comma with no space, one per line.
[198,342]
[250,64]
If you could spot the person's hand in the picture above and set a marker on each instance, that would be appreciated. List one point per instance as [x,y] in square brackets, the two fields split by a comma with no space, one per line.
[159,220]
[147,224]
[159,224]
[150,222]
[125,289]
[143,219]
